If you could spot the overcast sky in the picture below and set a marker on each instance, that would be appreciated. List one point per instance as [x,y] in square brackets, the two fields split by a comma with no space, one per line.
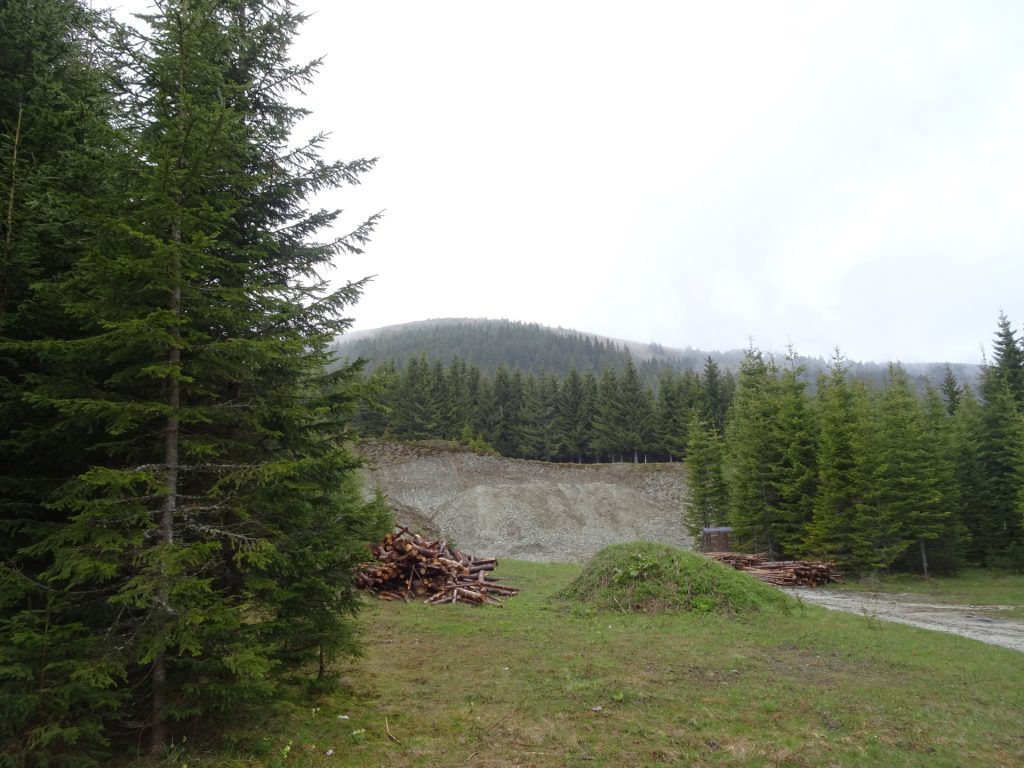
[693,173]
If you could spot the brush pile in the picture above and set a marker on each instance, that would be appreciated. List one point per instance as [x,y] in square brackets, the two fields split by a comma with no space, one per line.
[781,573]
[408,567]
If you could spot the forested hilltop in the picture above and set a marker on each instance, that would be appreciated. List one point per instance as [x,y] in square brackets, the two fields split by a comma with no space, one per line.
[874,471]
[534,348]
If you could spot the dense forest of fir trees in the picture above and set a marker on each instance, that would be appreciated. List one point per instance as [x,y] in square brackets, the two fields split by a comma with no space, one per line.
[888,475]
[179,516]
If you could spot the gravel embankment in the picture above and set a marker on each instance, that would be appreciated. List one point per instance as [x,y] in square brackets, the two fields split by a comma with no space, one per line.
[528,510]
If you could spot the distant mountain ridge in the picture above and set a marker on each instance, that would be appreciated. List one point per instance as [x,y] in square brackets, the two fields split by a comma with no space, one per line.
[536,348]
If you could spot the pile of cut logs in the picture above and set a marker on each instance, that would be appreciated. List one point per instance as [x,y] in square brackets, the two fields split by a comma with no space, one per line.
[781,573]
[406,567]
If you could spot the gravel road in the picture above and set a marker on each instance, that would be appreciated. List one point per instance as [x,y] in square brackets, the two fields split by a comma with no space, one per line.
[980,622]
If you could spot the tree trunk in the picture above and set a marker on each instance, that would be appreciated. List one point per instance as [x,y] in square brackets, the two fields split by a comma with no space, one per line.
[158,727]
[8,235]
[168,510]
[924,558]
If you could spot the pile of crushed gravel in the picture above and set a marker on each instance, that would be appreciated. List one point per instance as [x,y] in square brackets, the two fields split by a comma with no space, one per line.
[528,510]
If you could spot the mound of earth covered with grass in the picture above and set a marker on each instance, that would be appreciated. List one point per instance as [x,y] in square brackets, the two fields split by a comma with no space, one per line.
[527,510]
[644,576]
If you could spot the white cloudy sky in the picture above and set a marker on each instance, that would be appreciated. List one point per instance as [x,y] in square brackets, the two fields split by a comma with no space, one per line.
[818,173]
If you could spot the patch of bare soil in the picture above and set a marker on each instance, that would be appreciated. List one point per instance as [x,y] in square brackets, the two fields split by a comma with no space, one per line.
[528,510]
[980,622]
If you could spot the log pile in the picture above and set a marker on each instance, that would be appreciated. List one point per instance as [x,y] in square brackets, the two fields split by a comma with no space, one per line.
[781,573]
[407,567]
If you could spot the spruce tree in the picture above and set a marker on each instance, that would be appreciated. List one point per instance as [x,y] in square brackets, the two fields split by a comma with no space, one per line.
[794,477]
[636,412]
[531,425]
[60,683]
[461,395]
[375,412]
[219,517]
[753,456]
[708,502]
[951,390]
[609,442]
[588,414]
[908,506]
[839,529]
[969,477]
[717,395]
[998,523]
[1008,358]
[418,411]
[515,405]
[947,551]
[547,417]
[570,415]
[671,415]
[445,400]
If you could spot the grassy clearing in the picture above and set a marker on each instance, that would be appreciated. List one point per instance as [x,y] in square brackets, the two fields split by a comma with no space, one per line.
[972,587]
[542,683]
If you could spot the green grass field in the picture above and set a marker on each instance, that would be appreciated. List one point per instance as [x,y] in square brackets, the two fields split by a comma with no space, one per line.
[542,682]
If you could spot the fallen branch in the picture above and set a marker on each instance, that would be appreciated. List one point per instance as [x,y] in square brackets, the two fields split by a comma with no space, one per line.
[390,734]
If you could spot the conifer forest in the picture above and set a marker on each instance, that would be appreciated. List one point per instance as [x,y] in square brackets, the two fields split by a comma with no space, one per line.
[180,502]
[874,469]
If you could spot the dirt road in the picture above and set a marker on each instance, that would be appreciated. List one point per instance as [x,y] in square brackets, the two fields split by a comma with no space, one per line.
[980,622]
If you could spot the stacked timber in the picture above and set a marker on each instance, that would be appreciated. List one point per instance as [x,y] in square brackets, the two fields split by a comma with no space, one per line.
[406,567]
[781,573]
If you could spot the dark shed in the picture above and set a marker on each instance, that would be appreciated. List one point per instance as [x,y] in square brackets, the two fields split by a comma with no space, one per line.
[715,540]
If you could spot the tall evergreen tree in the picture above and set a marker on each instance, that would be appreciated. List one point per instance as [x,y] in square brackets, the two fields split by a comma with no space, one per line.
[969,476]
[753,456]
[908,506]
[952,391]
[1008,358]
[376,411]
[717,395]
[708,502]
[547,417]
[946,553]
[531,427]
[417,415]
[461,385]
[636,412]
[998,522]
[795,477]
[219,517]
[838,528]
[608,417]
[498,407]
[60,683]
[573,418]
[675,402]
